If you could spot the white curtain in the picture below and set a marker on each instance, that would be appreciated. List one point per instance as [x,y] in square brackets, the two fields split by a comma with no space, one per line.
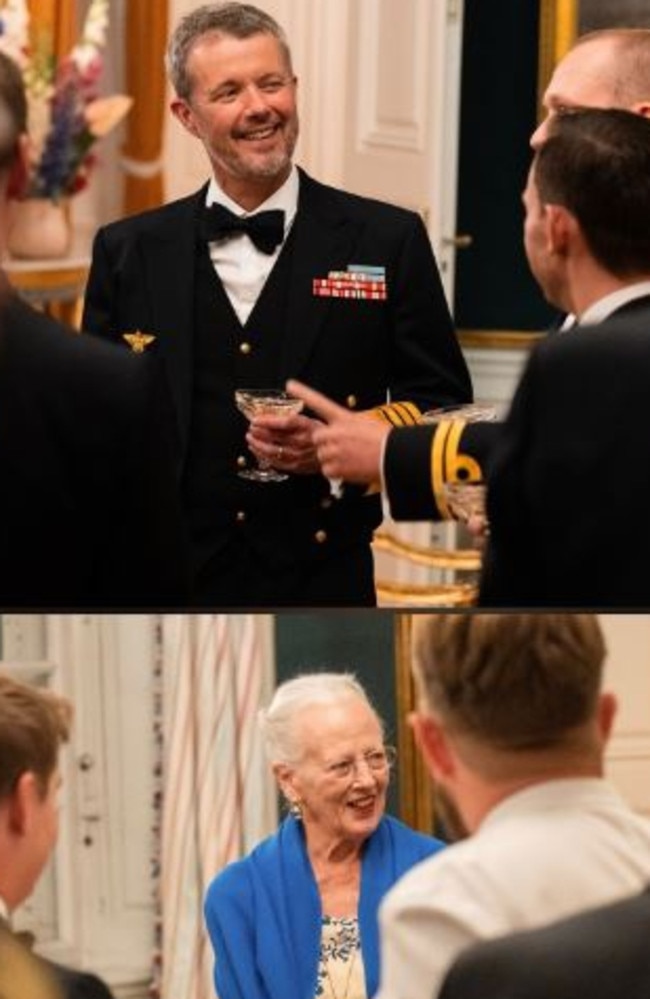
[217,797]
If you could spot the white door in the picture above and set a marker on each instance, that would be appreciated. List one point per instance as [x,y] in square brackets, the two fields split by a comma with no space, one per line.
[402,111]
[402,114]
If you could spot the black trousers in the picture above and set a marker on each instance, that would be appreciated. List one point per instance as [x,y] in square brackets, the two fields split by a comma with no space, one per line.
[237,577]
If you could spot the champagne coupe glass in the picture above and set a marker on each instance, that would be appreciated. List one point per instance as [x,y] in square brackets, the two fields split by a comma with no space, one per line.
[470,412]
[271,402]
[466,500]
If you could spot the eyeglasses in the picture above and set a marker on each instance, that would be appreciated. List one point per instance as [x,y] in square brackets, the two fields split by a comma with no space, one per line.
[377,761]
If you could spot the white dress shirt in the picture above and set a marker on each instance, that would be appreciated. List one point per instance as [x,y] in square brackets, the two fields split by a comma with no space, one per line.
[243,268]
[546,852]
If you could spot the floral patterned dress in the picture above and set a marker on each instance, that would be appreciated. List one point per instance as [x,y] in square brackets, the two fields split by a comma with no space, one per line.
[340,969]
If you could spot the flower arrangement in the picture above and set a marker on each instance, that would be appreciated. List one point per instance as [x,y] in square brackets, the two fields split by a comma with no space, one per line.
[65,117]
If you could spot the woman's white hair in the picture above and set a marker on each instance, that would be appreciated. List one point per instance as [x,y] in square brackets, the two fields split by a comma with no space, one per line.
[277,721]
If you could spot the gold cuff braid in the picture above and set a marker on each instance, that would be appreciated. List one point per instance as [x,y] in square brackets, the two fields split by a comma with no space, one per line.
[399,414]
[448,464]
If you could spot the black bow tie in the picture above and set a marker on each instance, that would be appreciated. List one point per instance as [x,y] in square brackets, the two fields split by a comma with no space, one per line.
[266,229]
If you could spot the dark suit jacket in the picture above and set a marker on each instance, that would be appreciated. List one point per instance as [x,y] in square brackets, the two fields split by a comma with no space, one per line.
[408,465]
[569,480]
[600,954]
[24,973]
[354,350]
[79,984]
[89,516]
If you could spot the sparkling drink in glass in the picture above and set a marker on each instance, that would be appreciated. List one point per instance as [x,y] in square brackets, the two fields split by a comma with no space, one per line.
[270,402]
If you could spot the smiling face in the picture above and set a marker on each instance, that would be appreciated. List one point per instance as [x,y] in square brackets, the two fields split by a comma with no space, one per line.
[337,809]
[243,109]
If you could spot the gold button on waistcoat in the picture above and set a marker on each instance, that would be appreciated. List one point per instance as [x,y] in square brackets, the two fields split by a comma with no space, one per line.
[245,348]
[241,461]
[241,516]
[351,402]
[320,537]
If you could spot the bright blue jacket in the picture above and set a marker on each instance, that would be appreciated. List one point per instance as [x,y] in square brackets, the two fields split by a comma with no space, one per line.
[264,912]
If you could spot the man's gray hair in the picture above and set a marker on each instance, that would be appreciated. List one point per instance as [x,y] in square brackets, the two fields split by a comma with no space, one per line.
[239,20]
[278,721]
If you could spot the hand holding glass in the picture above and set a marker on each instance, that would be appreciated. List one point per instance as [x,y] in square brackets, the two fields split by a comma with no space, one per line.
[267,402]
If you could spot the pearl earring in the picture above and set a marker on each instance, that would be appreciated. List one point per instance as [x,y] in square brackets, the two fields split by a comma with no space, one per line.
[295,809]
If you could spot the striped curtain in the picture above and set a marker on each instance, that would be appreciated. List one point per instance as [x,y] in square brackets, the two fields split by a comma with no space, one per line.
[217,797]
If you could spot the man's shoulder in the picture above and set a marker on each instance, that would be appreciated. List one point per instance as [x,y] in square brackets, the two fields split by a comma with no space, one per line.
[617,336]
[353,204]
[38,349]
[154,220]
[602,950]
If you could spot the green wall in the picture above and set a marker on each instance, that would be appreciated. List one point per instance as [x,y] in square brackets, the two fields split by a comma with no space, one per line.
[494,287]
[362,642]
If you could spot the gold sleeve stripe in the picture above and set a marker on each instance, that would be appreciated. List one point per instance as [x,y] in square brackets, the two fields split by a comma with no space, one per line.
[408,411]
[448,464]
[390,414]
[456,462]
[399,414]
[437,467]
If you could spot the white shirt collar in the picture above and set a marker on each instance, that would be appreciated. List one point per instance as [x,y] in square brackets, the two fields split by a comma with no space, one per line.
[286,198]
[604,307]
[4,911]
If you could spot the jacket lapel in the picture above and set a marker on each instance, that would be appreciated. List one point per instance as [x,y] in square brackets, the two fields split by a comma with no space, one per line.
[323,240]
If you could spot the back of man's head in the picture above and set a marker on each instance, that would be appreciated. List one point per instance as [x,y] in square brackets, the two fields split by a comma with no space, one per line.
[513,682]
[33,725]
[13,110]
[596,164]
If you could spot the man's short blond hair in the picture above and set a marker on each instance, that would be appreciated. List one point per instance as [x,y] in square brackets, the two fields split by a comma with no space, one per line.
[33,725]
[511,681]
[630,64]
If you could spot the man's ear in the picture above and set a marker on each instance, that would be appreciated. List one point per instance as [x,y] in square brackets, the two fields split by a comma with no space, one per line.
[561,226]
[433,743]
[21,804]
[18,174]
[183,112]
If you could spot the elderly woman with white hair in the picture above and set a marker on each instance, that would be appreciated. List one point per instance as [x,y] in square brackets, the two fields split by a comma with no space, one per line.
[297,917]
